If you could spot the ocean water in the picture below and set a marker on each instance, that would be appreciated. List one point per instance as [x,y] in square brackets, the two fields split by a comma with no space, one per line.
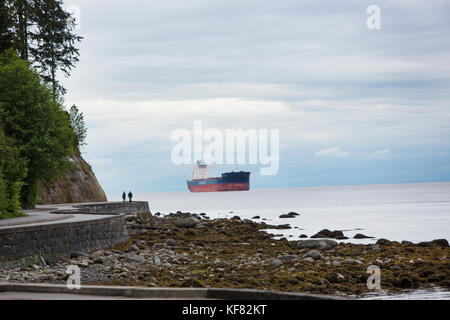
[414,212]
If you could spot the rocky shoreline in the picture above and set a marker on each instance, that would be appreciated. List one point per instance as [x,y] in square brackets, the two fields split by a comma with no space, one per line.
[190,250]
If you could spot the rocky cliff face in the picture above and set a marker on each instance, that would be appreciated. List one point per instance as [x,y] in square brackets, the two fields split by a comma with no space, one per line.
[78,184]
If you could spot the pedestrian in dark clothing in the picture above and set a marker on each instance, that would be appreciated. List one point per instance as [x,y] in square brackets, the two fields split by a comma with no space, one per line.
[124,196]
[130,196]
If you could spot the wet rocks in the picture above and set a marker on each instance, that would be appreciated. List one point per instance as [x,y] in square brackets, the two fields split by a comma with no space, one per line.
[187,223]
[314,254]
[232,253]
[99,260]
[325,233]
[222,263]
[96,254]
[281,227]
[443,243]
[78,255]
[170,242]
[192,283]
[133,248]
[383,242]
[132,257]
[256,217]
[287,257]
[275,263]
[302,236]
[361,236]
[335,277]
[376,247]
[159,245]
[406,282]
[83,264]
[324,244]
[289,215]
[156,261]
[351,261]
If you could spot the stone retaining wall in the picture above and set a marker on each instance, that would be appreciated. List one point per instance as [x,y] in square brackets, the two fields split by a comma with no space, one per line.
[22,245]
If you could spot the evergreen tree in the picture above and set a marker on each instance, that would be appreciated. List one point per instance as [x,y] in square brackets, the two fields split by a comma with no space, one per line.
[21,12]
[78,126]
[44,36]
[54,40]
[6,26]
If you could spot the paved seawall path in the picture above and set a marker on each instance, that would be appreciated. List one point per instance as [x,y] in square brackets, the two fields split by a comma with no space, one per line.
[55,213]
[42,215]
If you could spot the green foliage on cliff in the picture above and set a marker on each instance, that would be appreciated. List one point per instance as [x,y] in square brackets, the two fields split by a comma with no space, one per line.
[37,135]
[35,125]
[12,171]
[78,126]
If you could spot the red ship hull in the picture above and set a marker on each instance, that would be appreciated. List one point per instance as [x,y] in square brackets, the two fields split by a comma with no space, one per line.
[239,186]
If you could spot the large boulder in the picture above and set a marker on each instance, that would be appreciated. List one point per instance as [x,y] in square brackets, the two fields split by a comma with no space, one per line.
[315,254]
[187,223]
[325,233]
[438,242]
[289,215]
[324,244]
[383,242]
[441,243]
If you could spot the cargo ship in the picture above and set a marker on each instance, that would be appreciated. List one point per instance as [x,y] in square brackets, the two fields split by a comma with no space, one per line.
[229,181]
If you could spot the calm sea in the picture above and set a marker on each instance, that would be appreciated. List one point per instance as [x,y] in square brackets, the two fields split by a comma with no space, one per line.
[414,212]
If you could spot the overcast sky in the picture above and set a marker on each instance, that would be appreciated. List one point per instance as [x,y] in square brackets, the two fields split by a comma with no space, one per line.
[353,105]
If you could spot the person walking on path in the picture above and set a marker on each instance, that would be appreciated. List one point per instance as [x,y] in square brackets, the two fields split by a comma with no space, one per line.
[124,196]
[130,196]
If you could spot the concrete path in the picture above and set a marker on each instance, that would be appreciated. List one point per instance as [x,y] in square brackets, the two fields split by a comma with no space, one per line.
[73,296]
[42,215]
[14,290]
[33,218]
